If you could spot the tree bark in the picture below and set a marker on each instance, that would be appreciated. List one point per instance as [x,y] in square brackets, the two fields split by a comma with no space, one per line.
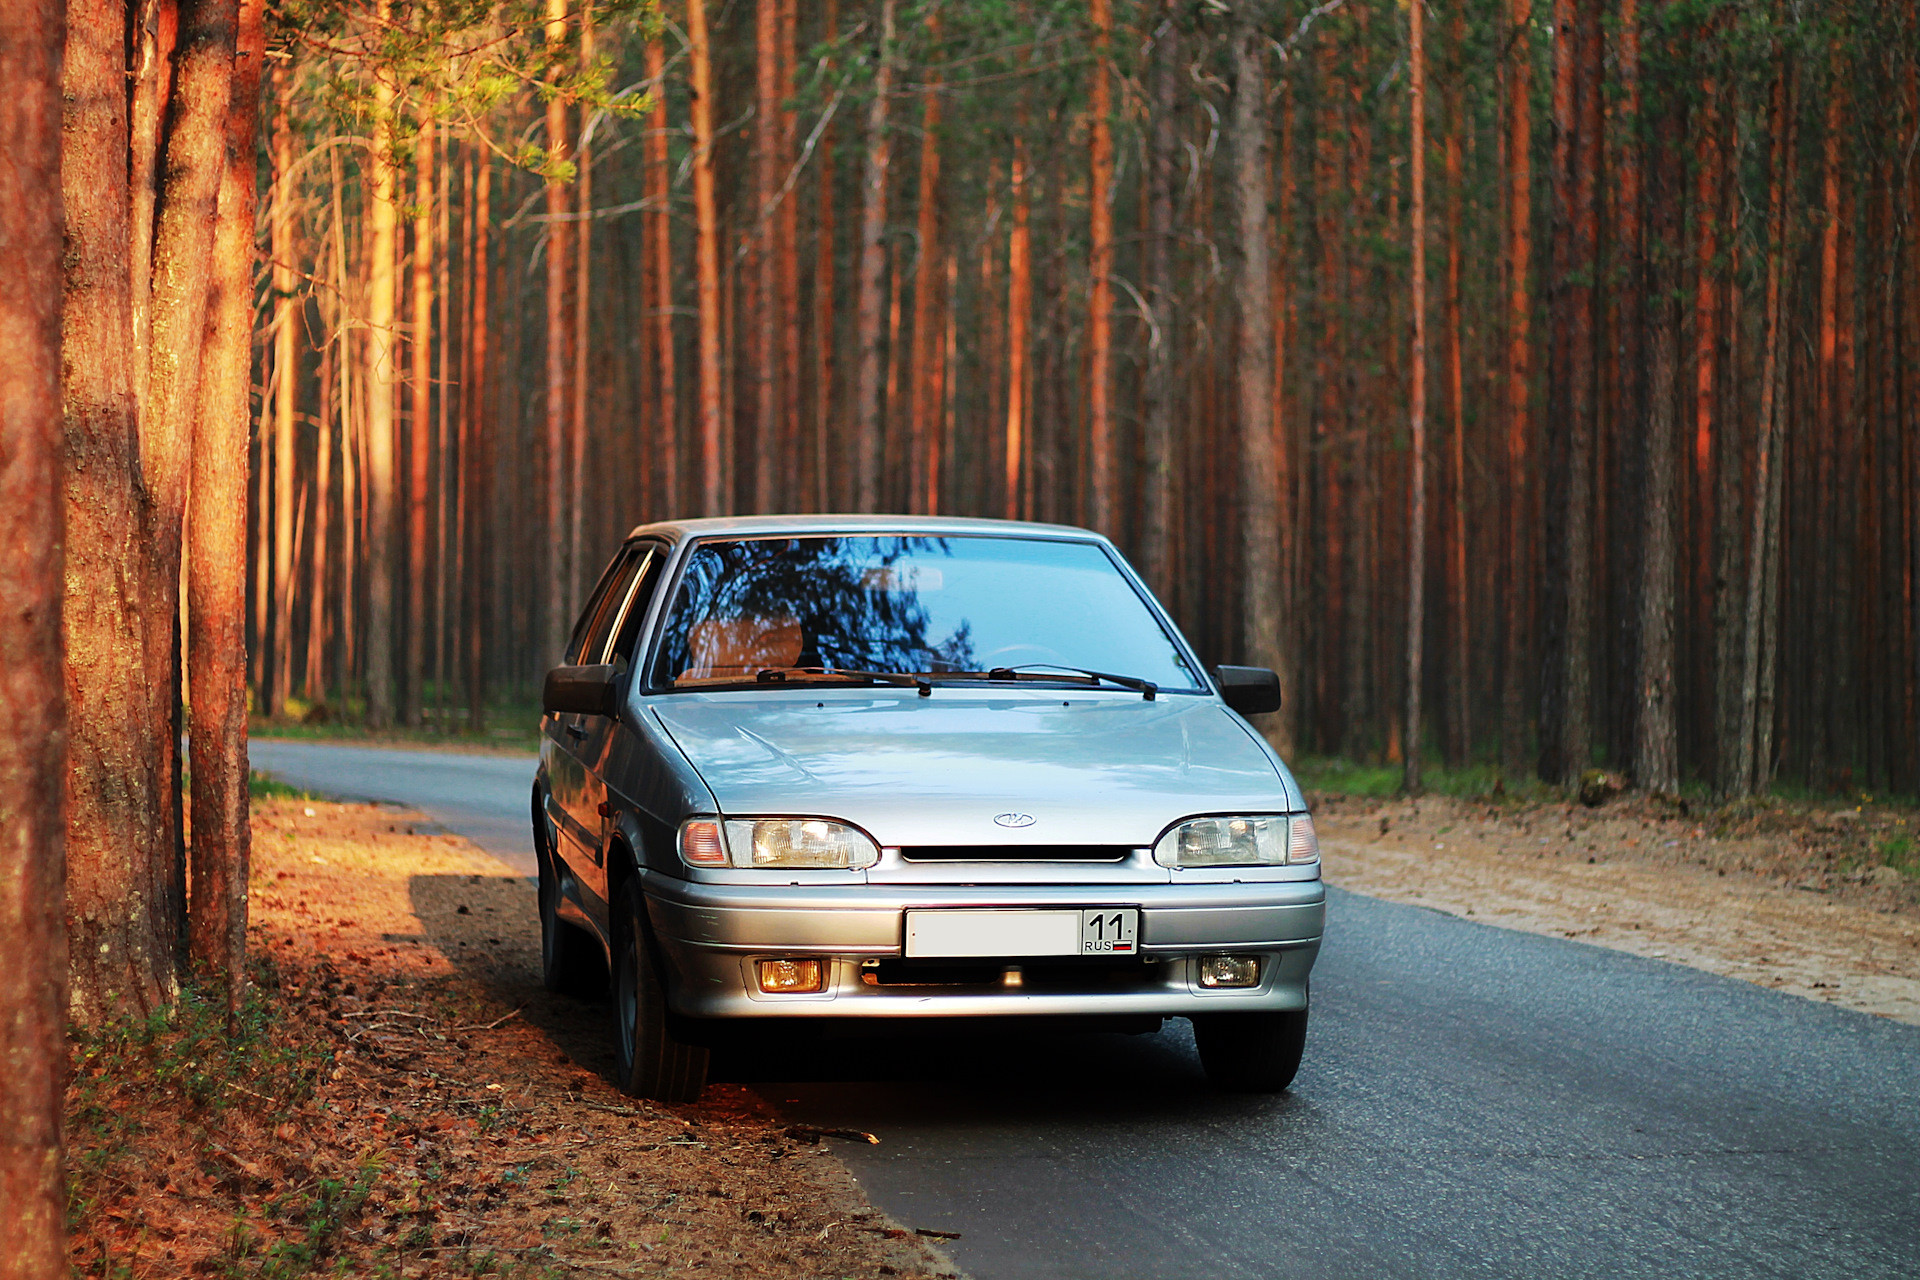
[286,365]
[713,490]
[826,494]
[118,849]
[1156,410]
[1019,317]
[1260,499]
[1655,746]
[873,264]
[763,367]
[792,494]
[380,388]
[419,434]
[195,160]
[217,554]
[666,452]
[1101,486]
[1518,524]
[33,750]
[929,289]
[1417,394]
[478,454]
[559,572]
[1459,699]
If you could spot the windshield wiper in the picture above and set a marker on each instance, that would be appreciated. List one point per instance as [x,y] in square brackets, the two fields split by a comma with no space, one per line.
[780,675]
[1146,688]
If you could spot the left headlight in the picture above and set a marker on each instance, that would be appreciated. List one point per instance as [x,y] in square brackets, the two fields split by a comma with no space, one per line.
[1239,842]
[798,842]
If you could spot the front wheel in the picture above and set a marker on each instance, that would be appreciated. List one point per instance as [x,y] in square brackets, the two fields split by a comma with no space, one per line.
[650,1061]
[1251,1052]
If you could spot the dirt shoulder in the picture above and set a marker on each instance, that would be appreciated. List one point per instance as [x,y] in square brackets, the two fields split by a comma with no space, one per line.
[407,1100]
[1802,900]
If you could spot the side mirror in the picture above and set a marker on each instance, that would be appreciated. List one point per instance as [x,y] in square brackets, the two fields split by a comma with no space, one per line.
[1251,691]
[585,690]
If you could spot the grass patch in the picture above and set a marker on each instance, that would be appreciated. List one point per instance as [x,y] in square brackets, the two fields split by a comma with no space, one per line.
[510,723]
[1334,776]
[261,787]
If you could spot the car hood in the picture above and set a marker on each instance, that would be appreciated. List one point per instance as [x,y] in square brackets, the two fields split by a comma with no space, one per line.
[1087,768]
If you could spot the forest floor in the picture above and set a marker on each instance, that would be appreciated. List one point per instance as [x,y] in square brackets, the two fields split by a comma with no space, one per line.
[1823,902]
[402,1097]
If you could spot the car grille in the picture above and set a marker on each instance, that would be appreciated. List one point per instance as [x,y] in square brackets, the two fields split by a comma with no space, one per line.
[1016,853]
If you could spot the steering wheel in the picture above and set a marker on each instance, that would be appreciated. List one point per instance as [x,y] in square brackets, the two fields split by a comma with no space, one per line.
[1042,652]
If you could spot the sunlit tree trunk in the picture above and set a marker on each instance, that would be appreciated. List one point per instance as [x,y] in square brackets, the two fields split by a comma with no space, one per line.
[873,264]
[666,450]
[477,455]
[793,468]
[713,488]
[577,557]
[33,750]
[558,573]
[1019,316]
[217,553]
[380,387]
[286,365]
[419,434]
[1157,393]
[827,494]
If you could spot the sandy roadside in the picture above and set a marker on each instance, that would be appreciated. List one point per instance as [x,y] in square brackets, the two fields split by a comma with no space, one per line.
[1779,908]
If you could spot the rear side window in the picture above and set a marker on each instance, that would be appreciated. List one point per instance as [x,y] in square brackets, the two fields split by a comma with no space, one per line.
[626,620]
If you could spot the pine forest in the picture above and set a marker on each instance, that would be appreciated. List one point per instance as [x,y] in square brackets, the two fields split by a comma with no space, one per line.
[1534,383]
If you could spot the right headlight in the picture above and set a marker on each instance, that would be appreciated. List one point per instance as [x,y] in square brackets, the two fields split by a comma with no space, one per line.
[1239,842]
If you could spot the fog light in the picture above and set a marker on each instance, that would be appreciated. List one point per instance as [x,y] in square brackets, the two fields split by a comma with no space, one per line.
[788,977]
[1229,971]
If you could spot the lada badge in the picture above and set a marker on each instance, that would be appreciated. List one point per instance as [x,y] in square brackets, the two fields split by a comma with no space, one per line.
[1013,819]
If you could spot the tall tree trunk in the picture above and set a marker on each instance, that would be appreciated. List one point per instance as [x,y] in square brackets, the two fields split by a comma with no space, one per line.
[286,365]
[1519,250]
[929,287]
[873,264]
[1156,409]
[1459,699]
[1019,316]
[33,750]
[478,454]
[1655,745]
[380,386]
[217,553]
[666,450]
[762,367]
[713,489]
[558,573]
[1417,416]
[582,338]
[419,438]
[1102,483]
[119,853]
[1260,513]
[182,273]
[827,494]
[156,30]
[793,469]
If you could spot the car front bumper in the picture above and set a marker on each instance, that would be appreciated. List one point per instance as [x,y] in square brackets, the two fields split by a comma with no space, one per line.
[712,934]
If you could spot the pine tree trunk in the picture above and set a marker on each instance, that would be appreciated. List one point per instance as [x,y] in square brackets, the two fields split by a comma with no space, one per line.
[1156,410]
[1655,746]
[1518,266]
[1019,317]
[558,573]
[419,438]
[1260,513]
[713,500]
[380,387]
[666,449]
[1459,700]
[217,554]
[156,29]
[791,494]
[873,264]
[119,853]
[1417,416]
[762,368]
[286,365]
[923,379]
[1102,482]
[578,567]
[477,456]
[33,750]
[827,494]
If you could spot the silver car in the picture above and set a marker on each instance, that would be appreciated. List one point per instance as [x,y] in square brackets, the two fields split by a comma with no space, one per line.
[857,767]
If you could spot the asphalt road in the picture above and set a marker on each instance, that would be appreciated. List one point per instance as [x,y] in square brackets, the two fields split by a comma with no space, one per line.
[1474,1102]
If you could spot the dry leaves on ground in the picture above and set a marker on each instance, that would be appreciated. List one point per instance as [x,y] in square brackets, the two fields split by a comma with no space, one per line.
[403,1098]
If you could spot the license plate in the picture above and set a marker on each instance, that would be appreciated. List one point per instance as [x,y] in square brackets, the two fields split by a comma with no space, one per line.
[1108,931]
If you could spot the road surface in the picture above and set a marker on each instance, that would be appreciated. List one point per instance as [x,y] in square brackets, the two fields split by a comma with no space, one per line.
[1474,1102]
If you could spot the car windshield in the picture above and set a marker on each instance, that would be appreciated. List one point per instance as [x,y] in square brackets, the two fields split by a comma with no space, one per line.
[760,609]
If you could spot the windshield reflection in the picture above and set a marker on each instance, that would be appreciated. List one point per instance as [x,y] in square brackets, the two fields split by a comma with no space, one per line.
[761,609]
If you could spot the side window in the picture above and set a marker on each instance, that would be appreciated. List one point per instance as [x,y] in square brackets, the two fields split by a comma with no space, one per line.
[632,615]
[590,632]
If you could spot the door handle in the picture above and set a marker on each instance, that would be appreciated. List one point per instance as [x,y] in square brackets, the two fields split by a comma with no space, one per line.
[575,731]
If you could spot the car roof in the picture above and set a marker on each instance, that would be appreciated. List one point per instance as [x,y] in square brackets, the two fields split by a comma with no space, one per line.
[800,525]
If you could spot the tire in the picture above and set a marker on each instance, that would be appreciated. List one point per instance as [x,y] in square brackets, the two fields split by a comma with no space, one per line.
[650,1061]
[1251,1052]
[569,964]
